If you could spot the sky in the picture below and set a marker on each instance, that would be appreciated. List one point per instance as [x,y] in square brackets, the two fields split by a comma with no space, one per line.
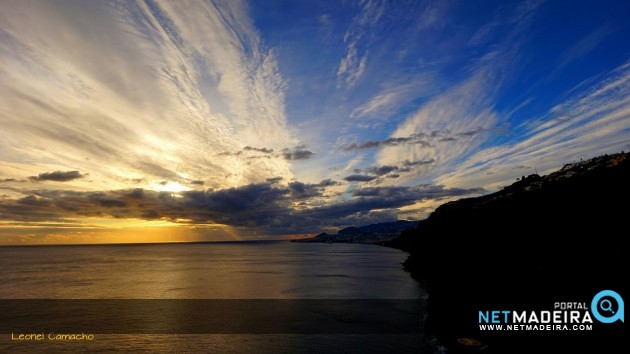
[174,121]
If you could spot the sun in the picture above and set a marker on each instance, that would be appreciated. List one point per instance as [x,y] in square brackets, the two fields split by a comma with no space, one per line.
[170,187]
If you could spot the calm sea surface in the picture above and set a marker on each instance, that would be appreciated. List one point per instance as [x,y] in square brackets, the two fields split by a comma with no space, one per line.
[260,270]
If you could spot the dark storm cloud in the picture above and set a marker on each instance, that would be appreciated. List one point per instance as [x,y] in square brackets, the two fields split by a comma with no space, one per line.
[297,153]
[198,183]
[11,180]
[384,198]
[372,173]
[107,201]
[328,183]
[250,205]
[29,209]
[150,214]
[233,200]
[57,176]
[111,203]
[422,139]
[381,170]
[359,178]
[301,190]
[262,150]
[408,163]
[473,132]
[274,180]
[136,193]
[412,139]
[227,153]
[269,206]
[365,145]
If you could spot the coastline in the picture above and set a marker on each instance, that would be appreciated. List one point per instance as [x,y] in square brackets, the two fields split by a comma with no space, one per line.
[521,248]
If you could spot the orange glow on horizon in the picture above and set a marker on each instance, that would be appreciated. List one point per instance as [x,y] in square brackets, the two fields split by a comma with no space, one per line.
[112,231]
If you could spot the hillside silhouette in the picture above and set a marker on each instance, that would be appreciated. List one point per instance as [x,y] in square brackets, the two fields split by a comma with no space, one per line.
[542,239]
[369,234]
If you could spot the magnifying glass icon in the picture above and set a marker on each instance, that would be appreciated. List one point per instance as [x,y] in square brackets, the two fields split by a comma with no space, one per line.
[607,306]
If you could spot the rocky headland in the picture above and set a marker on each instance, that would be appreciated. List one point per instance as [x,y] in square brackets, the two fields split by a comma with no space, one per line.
[540,240]
[370,234]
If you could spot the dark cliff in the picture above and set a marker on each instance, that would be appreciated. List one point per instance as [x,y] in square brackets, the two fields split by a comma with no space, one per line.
[540,240]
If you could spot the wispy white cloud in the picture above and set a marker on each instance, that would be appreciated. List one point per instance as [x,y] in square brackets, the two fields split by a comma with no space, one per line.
[451,124]
[594,122]
[457,122]
[584,46]
[433,15]
[353,64]
[151,90]
[377,104]
[326,27]
[506,20]
[417,101]
[351,67]
[395,95]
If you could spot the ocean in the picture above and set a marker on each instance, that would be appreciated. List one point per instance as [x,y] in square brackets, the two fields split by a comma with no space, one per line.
[296,298]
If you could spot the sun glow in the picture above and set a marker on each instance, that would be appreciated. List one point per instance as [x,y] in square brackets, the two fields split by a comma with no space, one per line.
[112,230]
[170,187]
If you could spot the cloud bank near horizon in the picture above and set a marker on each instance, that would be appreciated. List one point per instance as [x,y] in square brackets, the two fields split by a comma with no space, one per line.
[273,120]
